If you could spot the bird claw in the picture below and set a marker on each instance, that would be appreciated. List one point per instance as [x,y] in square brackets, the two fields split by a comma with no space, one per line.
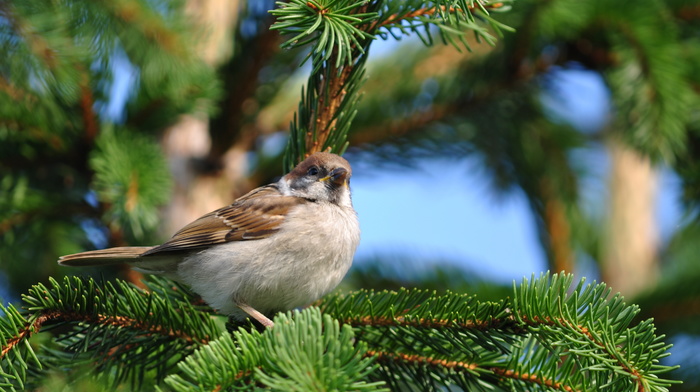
[262,319]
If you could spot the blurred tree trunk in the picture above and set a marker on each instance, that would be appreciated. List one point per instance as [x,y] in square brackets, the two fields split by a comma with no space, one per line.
[202,186]
[629,262]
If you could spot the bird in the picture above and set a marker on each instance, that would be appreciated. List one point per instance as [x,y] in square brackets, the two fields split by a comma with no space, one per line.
[278,247]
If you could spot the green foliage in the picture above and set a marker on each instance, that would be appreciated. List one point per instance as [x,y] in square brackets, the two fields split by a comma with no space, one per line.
[16,358]
[340,34]
[332,27]
[452,19]
[59,146]
[597,328]
[552,335]
[124,332]
[305,351]
[131,176]
[648,83]
[337,32]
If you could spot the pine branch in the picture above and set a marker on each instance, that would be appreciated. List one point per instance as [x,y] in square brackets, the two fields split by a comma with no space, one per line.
[330,92]
[340,33]
[119,327]
[145,19]
[16,354]
[305,351]
[25,332]
[458,366]
[452,18]
[551,336]
[585,323]
[530,379]
[578,340]
[397,18]
[338,53]
[131,178]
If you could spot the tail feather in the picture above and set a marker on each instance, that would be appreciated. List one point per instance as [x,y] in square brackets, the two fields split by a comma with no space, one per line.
[104,256]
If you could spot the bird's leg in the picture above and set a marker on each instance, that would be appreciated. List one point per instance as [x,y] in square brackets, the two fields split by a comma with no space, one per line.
[256,315]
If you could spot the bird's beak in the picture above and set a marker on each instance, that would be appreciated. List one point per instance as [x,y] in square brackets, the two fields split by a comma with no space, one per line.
[337,176]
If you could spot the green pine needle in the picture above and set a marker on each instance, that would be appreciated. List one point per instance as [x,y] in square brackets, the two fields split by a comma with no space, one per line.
[132,177]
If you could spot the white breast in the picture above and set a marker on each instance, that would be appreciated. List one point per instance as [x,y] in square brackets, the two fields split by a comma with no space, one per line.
[306,259]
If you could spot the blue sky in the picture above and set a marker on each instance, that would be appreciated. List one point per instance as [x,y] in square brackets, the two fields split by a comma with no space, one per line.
[442,209]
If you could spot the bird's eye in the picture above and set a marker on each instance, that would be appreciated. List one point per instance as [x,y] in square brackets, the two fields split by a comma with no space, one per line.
[313,170]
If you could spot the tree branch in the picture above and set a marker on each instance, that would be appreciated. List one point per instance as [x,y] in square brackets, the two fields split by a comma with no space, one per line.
[483,325]
[583,331]
[331,93]
[117,321]
[28,331]
[396,18]
[466,367]
[533,378]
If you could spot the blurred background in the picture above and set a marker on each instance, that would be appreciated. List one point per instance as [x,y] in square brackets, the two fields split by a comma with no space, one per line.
[573,144]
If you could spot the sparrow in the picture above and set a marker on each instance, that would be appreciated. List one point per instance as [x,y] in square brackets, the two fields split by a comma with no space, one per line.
[276,248]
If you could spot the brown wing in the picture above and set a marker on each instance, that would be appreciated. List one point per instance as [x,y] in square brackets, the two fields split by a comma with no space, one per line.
[253,216]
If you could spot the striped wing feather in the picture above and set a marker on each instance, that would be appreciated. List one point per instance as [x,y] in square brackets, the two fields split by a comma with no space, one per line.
[253,216]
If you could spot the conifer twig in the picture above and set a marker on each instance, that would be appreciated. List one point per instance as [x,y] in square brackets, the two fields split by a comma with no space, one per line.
[383,356]
[331,93]
[396,18]
[535,321]
[118,321]
[27,332]
[422,360]
[532,378]
[377,321]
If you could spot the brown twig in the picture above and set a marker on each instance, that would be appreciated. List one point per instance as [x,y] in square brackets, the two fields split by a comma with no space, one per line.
[118,321]
[510,323]
[399,127]
[125,322]
[533,378]
[396,18]
[27,332]
[375,321]
[421,360]
[331,92]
